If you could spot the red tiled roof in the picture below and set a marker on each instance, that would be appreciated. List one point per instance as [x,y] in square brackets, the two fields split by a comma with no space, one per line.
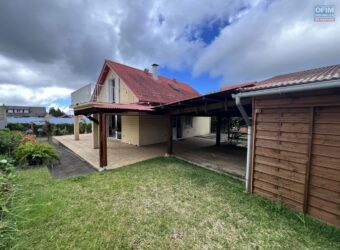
[146,89]
[237,86]
[302,77]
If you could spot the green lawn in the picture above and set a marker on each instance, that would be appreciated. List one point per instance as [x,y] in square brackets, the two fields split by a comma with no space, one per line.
[162,203]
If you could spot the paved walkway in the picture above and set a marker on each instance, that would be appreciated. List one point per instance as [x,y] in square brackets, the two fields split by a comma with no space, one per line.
[70,164]
[201,151]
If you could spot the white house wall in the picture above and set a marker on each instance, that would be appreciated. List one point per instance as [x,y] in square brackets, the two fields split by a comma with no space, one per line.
[152,129]
[125,94]
[200,126]
[130,130]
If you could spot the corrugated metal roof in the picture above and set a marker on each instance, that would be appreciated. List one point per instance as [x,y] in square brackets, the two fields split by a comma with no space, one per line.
[301,77]
[141,83]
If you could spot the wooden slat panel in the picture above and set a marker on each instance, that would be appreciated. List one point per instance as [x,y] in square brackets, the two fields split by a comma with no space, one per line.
[326,162]
[285,146]
[284,117]
[284,127]
[323,110]
[286,138]
[283,110]
[281,173]
[325,183]
[324,216]
[289,203]
[327,140]
[288,184]
[327,173]
[327,129]
[284,164]
[274,153]
[282,136]
[328,151]
[328,118]
[328,195]
[324,205]
[280,191]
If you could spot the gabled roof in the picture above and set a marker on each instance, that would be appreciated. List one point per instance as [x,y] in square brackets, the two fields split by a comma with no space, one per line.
[301,77]
[145,88]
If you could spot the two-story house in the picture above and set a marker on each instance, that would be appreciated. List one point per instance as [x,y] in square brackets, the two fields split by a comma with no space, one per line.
[126,97]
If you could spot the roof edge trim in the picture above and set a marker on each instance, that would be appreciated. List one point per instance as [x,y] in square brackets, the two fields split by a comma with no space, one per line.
[290,89]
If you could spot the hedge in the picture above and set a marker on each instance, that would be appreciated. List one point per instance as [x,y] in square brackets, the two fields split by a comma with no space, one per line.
[57,129]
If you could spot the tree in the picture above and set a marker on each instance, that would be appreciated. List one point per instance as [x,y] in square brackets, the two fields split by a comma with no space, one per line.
[56,112]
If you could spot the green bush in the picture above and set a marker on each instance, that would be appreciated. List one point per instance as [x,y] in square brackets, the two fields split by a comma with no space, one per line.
[9,140]
[33,154]
[55,129]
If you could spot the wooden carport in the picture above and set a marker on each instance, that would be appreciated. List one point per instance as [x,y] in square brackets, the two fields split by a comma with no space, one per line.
[218,104]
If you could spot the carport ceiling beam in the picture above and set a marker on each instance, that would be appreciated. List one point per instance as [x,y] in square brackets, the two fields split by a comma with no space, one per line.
[218,106]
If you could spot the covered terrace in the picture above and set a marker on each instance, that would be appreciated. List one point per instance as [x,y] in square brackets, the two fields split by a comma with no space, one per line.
[214,151]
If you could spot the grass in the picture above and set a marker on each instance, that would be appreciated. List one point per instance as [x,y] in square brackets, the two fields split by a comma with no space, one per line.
[162,203]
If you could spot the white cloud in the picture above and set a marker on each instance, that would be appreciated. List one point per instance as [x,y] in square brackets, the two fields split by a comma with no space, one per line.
[54,47]
[65,109]
[272,40]
[20,95]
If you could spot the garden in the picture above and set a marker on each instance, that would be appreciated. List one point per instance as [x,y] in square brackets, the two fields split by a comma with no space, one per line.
[18,151]
[163,203]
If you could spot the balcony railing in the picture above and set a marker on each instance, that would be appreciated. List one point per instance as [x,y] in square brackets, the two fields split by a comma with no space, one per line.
[91,93]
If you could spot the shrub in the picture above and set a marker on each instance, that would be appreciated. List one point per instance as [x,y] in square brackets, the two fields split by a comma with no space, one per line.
[9,140]
[34,154]
[6,176]
[6,184]
[57,129]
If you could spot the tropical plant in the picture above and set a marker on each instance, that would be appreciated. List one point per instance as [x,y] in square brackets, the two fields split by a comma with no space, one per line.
[33,154]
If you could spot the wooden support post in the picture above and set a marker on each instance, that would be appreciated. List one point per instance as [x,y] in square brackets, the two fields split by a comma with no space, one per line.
[102,141]
[218,130]
[228,126]
[76,127]
[170,143]
[309,161]
[95,131]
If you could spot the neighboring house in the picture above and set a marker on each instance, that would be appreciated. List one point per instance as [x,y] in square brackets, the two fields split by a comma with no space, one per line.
[3,119]
[128,97]
[25,111]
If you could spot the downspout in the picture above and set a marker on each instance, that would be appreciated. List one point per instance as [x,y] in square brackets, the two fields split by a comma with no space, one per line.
[249,137]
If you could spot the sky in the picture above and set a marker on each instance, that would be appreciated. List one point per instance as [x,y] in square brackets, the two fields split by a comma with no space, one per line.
[50,48]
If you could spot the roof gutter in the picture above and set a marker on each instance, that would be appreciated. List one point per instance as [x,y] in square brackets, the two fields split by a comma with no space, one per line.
[290,89]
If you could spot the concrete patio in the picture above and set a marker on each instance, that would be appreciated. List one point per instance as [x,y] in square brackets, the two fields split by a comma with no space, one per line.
[198,150]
